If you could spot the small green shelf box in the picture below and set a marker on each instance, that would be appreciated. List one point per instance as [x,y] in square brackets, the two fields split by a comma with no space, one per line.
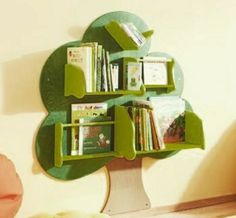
[122,37]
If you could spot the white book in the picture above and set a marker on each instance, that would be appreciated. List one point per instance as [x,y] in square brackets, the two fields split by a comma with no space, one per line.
[115,75]
[155,71]
[82,57]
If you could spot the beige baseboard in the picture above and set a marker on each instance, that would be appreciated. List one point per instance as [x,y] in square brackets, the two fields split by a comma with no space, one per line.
[178,207]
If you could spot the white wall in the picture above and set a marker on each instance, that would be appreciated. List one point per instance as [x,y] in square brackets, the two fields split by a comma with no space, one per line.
[199,34]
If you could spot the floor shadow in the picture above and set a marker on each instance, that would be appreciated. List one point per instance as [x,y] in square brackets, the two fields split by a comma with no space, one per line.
[216,174]
[20,83]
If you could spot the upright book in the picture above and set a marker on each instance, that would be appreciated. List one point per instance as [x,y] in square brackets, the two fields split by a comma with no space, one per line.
[82,57]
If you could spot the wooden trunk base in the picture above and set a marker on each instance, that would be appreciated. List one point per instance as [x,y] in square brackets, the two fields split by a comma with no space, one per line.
[126,191]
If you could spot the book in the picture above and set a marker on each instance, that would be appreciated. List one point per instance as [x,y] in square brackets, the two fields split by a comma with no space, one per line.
[133,33]
[176,130]
[104,80]
[157,137]
[134,76]
[96,138]
[99,68]
[115,75]
[155,71]
[83,110]
[108,69]
[82,57]
[168,114]
[94,47]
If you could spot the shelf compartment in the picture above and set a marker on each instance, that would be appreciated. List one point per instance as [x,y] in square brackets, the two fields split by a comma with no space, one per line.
[122,38]
[194,136]
[75,85]
[124,144]
[171,85]
[59,157]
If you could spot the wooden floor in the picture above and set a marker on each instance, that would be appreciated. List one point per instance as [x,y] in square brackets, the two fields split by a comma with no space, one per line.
[220,210]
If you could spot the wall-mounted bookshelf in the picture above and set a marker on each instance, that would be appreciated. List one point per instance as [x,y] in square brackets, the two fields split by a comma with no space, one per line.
[63,84]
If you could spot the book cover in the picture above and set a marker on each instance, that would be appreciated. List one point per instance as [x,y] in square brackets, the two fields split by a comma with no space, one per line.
[168,114]
[155,71]
[82,57]
[95,138]
[176,130]
[134,76]
[83,110]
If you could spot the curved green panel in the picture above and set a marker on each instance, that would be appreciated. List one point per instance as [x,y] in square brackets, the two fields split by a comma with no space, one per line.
[97,32]
[124,134]
[52,80]
[73,77]
[45,152]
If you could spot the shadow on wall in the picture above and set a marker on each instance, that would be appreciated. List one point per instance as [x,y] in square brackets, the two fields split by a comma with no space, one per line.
[216,174]
[20,84]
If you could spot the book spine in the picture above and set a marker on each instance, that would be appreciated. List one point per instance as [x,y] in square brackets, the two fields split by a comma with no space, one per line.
[99,68]
[104,72]
[115,75]
[109,80]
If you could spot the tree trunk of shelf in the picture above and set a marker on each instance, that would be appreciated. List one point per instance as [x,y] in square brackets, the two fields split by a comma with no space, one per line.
[126,187]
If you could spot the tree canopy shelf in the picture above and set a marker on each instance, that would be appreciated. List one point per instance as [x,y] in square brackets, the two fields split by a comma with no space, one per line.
[63,84]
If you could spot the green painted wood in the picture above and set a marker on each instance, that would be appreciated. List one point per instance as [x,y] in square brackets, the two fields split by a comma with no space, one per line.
[194,133]
[71,169]
[74,81]
[124,134]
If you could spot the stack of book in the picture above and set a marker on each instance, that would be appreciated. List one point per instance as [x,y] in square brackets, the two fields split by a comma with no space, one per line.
[94,61]
[147,133]
[157,121]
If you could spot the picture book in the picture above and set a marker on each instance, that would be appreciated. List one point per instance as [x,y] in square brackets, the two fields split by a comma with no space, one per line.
[134,76]
[96,138]
[84,110]
[155,71]
[82,57]
[168,114]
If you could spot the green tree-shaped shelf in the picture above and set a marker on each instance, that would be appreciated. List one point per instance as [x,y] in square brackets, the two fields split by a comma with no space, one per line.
[61,85]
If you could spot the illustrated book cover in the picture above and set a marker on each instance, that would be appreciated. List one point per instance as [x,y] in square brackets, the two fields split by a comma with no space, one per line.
[96,138]
[84,110]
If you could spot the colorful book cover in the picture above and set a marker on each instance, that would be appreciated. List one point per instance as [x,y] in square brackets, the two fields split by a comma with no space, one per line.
[82,57]
[134,76]
[176,130]
[167,113]
[83,110]
[95,138]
